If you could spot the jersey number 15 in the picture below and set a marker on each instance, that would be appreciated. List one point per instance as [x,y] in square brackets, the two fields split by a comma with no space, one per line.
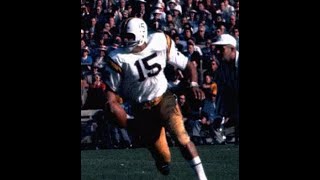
[145,69]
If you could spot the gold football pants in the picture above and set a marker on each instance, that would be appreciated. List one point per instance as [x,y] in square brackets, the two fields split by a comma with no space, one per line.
[151,123]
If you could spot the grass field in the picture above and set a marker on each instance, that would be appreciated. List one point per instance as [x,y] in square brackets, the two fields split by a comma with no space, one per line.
[221,162]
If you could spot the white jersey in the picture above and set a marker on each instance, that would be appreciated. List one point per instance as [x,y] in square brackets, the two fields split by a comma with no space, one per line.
[139,77]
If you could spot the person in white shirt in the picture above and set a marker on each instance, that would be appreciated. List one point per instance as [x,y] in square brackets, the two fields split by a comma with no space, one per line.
[136,73]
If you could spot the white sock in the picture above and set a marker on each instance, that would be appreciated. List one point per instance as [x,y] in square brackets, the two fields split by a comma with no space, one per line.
[196,165]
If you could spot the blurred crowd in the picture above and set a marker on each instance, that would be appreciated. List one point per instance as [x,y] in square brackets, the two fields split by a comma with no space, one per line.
[193,25]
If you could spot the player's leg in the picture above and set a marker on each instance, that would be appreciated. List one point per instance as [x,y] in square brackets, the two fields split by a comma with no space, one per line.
[171,111]
[161,153]
[149,127]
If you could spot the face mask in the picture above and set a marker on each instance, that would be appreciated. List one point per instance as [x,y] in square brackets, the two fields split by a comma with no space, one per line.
[130,45]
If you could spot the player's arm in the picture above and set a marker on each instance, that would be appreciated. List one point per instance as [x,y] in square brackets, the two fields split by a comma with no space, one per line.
[112,78]
[191,71]
[114,109]
[177,59]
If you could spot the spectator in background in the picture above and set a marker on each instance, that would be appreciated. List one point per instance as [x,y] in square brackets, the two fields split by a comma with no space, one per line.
[169,23]
[201,36]
[235,34]
[211,119]
[86,59]
[193,20]
[174,33]
[176,16]
[141,10]
[109,7]
[194,124]
[100,4]
[170,5]
[156,25]
[96,97]
[92,41]
[231,24]
[158,13]
[125,15]
[227,80]
[208,85]
[196,57]
[85,17]
[204,14]
[116,14]
[184,105]
[208,4]
[102,41]
[100,16]
[228,7]
[187,7]
[207,54]
[196,47]
[222,11]
[94,27]
[190,51]
[186,35]
[130,10]
[99,61]
[107,29]
[122,6]
[222,27]
[214,65]
[113,26]
[219,21]
[83,44]
[180,44]
[219,31]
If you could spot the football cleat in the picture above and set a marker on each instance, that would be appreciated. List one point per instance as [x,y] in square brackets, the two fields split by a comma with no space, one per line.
[164,168]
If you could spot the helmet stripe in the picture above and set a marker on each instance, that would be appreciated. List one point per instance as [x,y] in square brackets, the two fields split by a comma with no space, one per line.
[124,25]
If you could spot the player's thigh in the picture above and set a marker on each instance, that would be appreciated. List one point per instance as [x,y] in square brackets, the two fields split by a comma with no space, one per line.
[171,113]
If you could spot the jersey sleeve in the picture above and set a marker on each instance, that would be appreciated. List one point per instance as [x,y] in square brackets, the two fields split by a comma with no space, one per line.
[174,57]
[112,74]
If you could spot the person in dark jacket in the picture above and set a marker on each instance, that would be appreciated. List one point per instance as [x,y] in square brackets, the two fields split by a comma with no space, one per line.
[227,79]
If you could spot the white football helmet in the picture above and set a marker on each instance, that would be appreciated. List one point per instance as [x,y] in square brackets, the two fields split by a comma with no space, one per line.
[138,28]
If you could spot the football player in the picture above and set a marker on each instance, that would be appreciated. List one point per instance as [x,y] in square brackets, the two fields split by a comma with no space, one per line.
[136,73]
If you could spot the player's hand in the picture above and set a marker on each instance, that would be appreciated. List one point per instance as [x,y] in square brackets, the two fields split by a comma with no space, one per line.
[197,93]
